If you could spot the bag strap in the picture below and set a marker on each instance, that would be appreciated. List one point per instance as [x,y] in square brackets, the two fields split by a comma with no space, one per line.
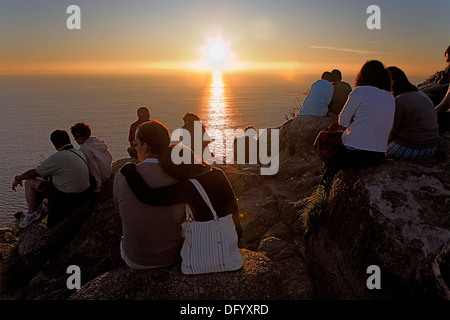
[204,196]
[71,150]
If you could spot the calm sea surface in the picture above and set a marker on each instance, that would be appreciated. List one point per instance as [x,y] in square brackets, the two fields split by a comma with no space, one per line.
[32,106]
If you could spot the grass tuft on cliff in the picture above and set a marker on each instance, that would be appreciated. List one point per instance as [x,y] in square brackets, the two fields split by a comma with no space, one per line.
[315,210]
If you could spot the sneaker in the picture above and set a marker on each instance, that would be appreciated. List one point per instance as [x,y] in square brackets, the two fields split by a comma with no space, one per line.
[29,218]
[43,208]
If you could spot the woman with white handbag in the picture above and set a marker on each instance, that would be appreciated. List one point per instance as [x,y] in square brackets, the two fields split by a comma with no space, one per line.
[212,228]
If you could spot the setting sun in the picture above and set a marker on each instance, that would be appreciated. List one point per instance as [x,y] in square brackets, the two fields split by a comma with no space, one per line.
[216,53]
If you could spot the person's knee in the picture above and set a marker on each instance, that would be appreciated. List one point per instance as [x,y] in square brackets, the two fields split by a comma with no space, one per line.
[32,184]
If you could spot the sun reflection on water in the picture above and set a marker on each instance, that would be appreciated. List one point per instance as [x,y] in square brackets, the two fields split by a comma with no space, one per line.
[216,113]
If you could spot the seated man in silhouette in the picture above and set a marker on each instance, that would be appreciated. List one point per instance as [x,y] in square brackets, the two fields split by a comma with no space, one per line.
[143,114]
[340,95]
[246,147]
[69,183]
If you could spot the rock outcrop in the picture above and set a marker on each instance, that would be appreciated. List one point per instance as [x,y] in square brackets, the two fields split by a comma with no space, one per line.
[254,281]
[394,216]
[436,92]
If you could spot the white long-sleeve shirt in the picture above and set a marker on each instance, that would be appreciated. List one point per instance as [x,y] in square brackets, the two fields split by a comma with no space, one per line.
[99,159]
[368,115]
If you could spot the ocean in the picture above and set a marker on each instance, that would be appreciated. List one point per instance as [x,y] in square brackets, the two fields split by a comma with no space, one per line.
[32,106]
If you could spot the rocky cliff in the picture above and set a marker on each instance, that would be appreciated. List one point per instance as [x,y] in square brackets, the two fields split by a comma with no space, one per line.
[394,216]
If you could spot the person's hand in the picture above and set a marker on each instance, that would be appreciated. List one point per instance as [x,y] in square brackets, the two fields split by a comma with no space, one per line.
[15,184]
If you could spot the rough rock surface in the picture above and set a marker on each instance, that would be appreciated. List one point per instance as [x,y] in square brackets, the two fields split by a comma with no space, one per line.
[436,92]
[395,216]
[254,280]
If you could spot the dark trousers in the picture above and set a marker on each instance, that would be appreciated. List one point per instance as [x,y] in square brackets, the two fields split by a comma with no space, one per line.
[444,121]
[345,159]
[60,204]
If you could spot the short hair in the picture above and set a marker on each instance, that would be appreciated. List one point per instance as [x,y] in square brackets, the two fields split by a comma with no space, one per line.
[155,134]
[249,127]
[326,76]
[400,82]
[190,116]
[81,129]
[336,75]
[143,112]
[373,73]
[59,138]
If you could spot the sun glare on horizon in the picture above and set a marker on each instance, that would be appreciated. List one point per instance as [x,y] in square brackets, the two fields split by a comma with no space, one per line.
[217,52]
[215,55]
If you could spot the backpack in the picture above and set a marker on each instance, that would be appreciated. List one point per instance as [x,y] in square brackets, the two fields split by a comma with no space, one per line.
[328,141]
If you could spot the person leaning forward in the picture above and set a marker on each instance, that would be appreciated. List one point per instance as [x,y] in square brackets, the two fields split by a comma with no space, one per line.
[69,184]
[340,94]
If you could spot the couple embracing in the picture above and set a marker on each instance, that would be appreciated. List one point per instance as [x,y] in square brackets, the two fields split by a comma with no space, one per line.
[154,196]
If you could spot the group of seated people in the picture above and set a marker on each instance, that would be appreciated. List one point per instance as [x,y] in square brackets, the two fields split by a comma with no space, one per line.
[66,178]
[327,95]
[150,196]
[384,114]
[189,120]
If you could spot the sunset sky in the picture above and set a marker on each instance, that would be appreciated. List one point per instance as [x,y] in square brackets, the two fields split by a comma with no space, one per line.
[296,35]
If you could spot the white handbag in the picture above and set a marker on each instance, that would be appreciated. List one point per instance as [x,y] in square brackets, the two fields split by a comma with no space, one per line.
[209,246]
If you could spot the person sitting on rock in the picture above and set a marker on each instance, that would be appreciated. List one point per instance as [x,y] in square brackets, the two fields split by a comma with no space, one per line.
[414,134]
[212,179]
[152,236]
[318,98]
[247,145]
[443,108]
[69,184]
[340,95]
[191,121]
[97,153]
[143,114]
[368,116]
[444,76]
[443,113]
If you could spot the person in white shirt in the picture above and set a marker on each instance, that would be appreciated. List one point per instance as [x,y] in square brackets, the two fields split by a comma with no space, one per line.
[368,116]
[319,97]
[98,156]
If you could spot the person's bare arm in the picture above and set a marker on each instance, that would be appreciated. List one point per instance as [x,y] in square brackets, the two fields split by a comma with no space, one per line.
[30,174]
[444,106]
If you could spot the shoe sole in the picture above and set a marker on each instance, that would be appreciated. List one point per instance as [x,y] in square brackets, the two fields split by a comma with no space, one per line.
[31,221]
